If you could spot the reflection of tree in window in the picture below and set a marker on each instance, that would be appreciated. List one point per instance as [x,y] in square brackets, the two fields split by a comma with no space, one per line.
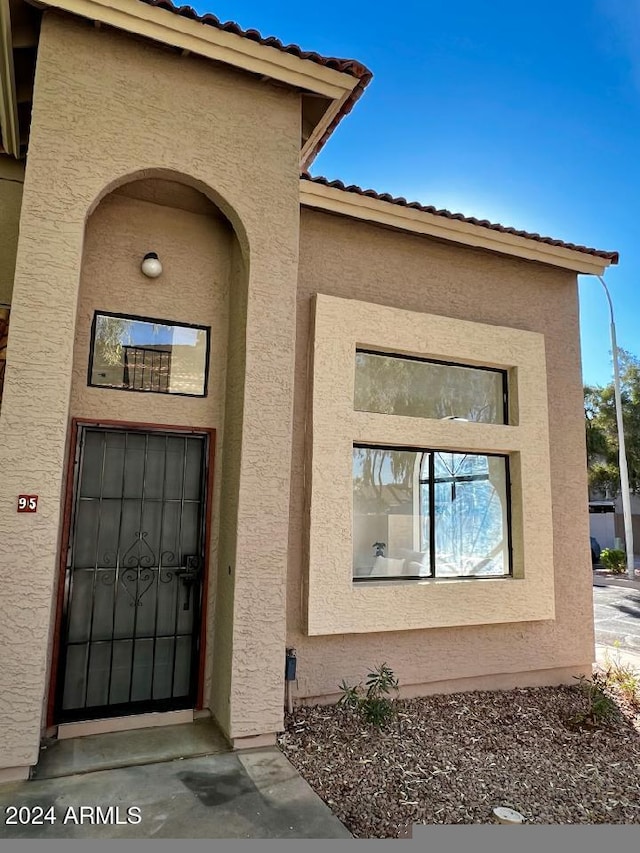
[468,514]
[136,354]
[396,385]
[111,334]
[443,513]
[381,475]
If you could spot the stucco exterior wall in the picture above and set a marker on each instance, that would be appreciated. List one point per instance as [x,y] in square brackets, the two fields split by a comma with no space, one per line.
[335,604]
[195,249]
[224,611]
[107,108]
[344,258]
[11,180]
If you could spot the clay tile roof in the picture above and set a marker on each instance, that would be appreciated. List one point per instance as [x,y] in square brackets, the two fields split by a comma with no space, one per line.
[347,66]
[613,257]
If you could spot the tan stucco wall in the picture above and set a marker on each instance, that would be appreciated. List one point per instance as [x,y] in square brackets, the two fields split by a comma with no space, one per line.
[230,498]
[195,253]
[344,258]
[106,107]
[335,604]
[11,180]
[195,250]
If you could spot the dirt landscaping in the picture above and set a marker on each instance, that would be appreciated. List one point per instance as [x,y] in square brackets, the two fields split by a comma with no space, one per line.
[453,759]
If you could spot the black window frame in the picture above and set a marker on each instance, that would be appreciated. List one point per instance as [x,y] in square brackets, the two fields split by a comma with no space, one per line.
[502,371]
[432,550]
[155,321]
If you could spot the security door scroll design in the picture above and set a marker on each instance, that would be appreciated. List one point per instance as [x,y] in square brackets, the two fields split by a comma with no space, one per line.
[133,590]
[136,555]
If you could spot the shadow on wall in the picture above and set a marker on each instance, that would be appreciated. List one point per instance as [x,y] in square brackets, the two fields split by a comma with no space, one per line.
[4,337]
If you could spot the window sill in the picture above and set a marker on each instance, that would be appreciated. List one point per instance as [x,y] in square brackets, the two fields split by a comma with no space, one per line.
[423,579]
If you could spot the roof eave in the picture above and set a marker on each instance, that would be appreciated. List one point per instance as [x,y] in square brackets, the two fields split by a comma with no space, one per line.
[330,120]
[191,36]
[379,212]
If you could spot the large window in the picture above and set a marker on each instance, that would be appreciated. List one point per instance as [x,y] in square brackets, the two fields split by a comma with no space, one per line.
[141,354]
[402,385]
[429,513]
[397,493]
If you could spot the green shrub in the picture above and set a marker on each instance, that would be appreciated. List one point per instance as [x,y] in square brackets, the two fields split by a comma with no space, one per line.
[374,701]
[600,708]
[614,560]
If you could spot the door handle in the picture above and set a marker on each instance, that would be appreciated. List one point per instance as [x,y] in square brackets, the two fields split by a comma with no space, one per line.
[188,575]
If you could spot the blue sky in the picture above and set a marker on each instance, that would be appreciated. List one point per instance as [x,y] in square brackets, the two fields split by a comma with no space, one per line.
[525,114]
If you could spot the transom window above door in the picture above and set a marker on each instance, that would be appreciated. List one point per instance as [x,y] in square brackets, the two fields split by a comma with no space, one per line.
[132,353]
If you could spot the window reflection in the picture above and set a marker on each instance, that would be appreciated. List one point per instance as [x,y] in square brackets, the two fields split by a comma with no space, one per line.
[398,385]
[138,354]
[423,513]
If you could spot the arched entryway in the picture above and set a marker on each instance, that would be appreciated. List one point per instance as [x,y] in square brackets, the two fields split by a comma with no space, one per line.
[135,616]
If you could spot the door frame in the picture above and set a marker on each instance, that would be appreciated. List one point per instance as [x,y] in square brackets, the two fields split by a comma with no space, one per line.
[71,477]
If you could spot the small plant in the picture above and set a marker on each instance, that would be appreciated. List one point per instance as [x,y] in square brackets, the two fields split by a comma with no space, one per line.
[376,700]
[614,560]
[350,698]
[628,682]
[600,709]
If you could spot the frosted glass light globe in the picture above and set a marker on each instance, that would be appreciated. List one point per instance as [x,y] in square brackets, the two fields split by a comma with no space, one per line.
[151,266]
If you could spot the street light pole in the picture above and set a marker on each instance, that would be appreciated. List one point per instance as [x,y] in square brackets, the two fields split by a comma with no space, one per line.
[622,453]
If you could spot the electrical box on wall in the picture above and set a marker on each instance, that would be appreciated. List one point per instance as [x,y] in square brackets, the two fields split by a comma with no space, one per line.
[290,665]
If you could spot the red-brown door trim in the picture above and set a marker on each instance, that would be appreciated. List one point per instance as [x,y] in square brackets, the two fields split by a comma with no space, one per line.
[62,569]
[76,423]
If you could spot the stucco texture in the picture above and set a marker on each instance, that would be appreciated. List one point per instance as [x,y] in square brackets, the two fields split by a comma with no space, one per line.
[335,604]
[196,247]
[108,108]
[352,260]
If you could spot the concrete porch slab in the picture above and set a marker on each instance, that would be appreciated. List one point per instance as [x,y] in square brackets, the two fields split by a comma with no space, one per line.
[111,750]
[256,794]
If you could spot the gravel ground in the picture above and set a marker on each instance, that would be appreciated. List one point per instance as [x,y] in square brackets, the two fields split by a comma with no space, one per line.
[452,759]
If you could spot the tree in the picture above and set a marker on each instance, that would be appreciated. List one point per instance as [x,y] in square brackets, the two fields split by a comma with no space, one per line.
[111,334]
[602,431]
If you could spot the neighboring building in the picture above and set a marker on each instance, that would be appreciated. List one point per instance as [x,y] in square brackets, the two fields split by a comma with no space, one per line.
[336,422]
[606,519]
[602,523]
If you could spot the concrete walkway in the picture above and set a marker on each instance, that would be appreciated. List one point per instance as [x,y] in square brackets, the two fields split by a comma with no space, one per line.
[185,782]
[620,581]
[607,655]
[249,794]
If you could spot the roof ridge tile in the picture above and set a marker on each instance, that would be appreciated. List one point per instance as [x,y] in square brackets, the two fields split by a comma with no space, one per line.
[347,66]
[613,257]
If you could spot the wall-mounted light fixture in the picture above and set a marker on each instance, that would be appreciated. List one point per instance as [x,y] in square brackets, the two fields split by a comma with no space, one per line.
[151,266]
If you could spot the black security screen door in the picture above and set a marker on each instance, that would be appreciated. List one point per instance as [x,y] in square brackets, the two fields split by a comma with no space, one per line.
[133,584]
